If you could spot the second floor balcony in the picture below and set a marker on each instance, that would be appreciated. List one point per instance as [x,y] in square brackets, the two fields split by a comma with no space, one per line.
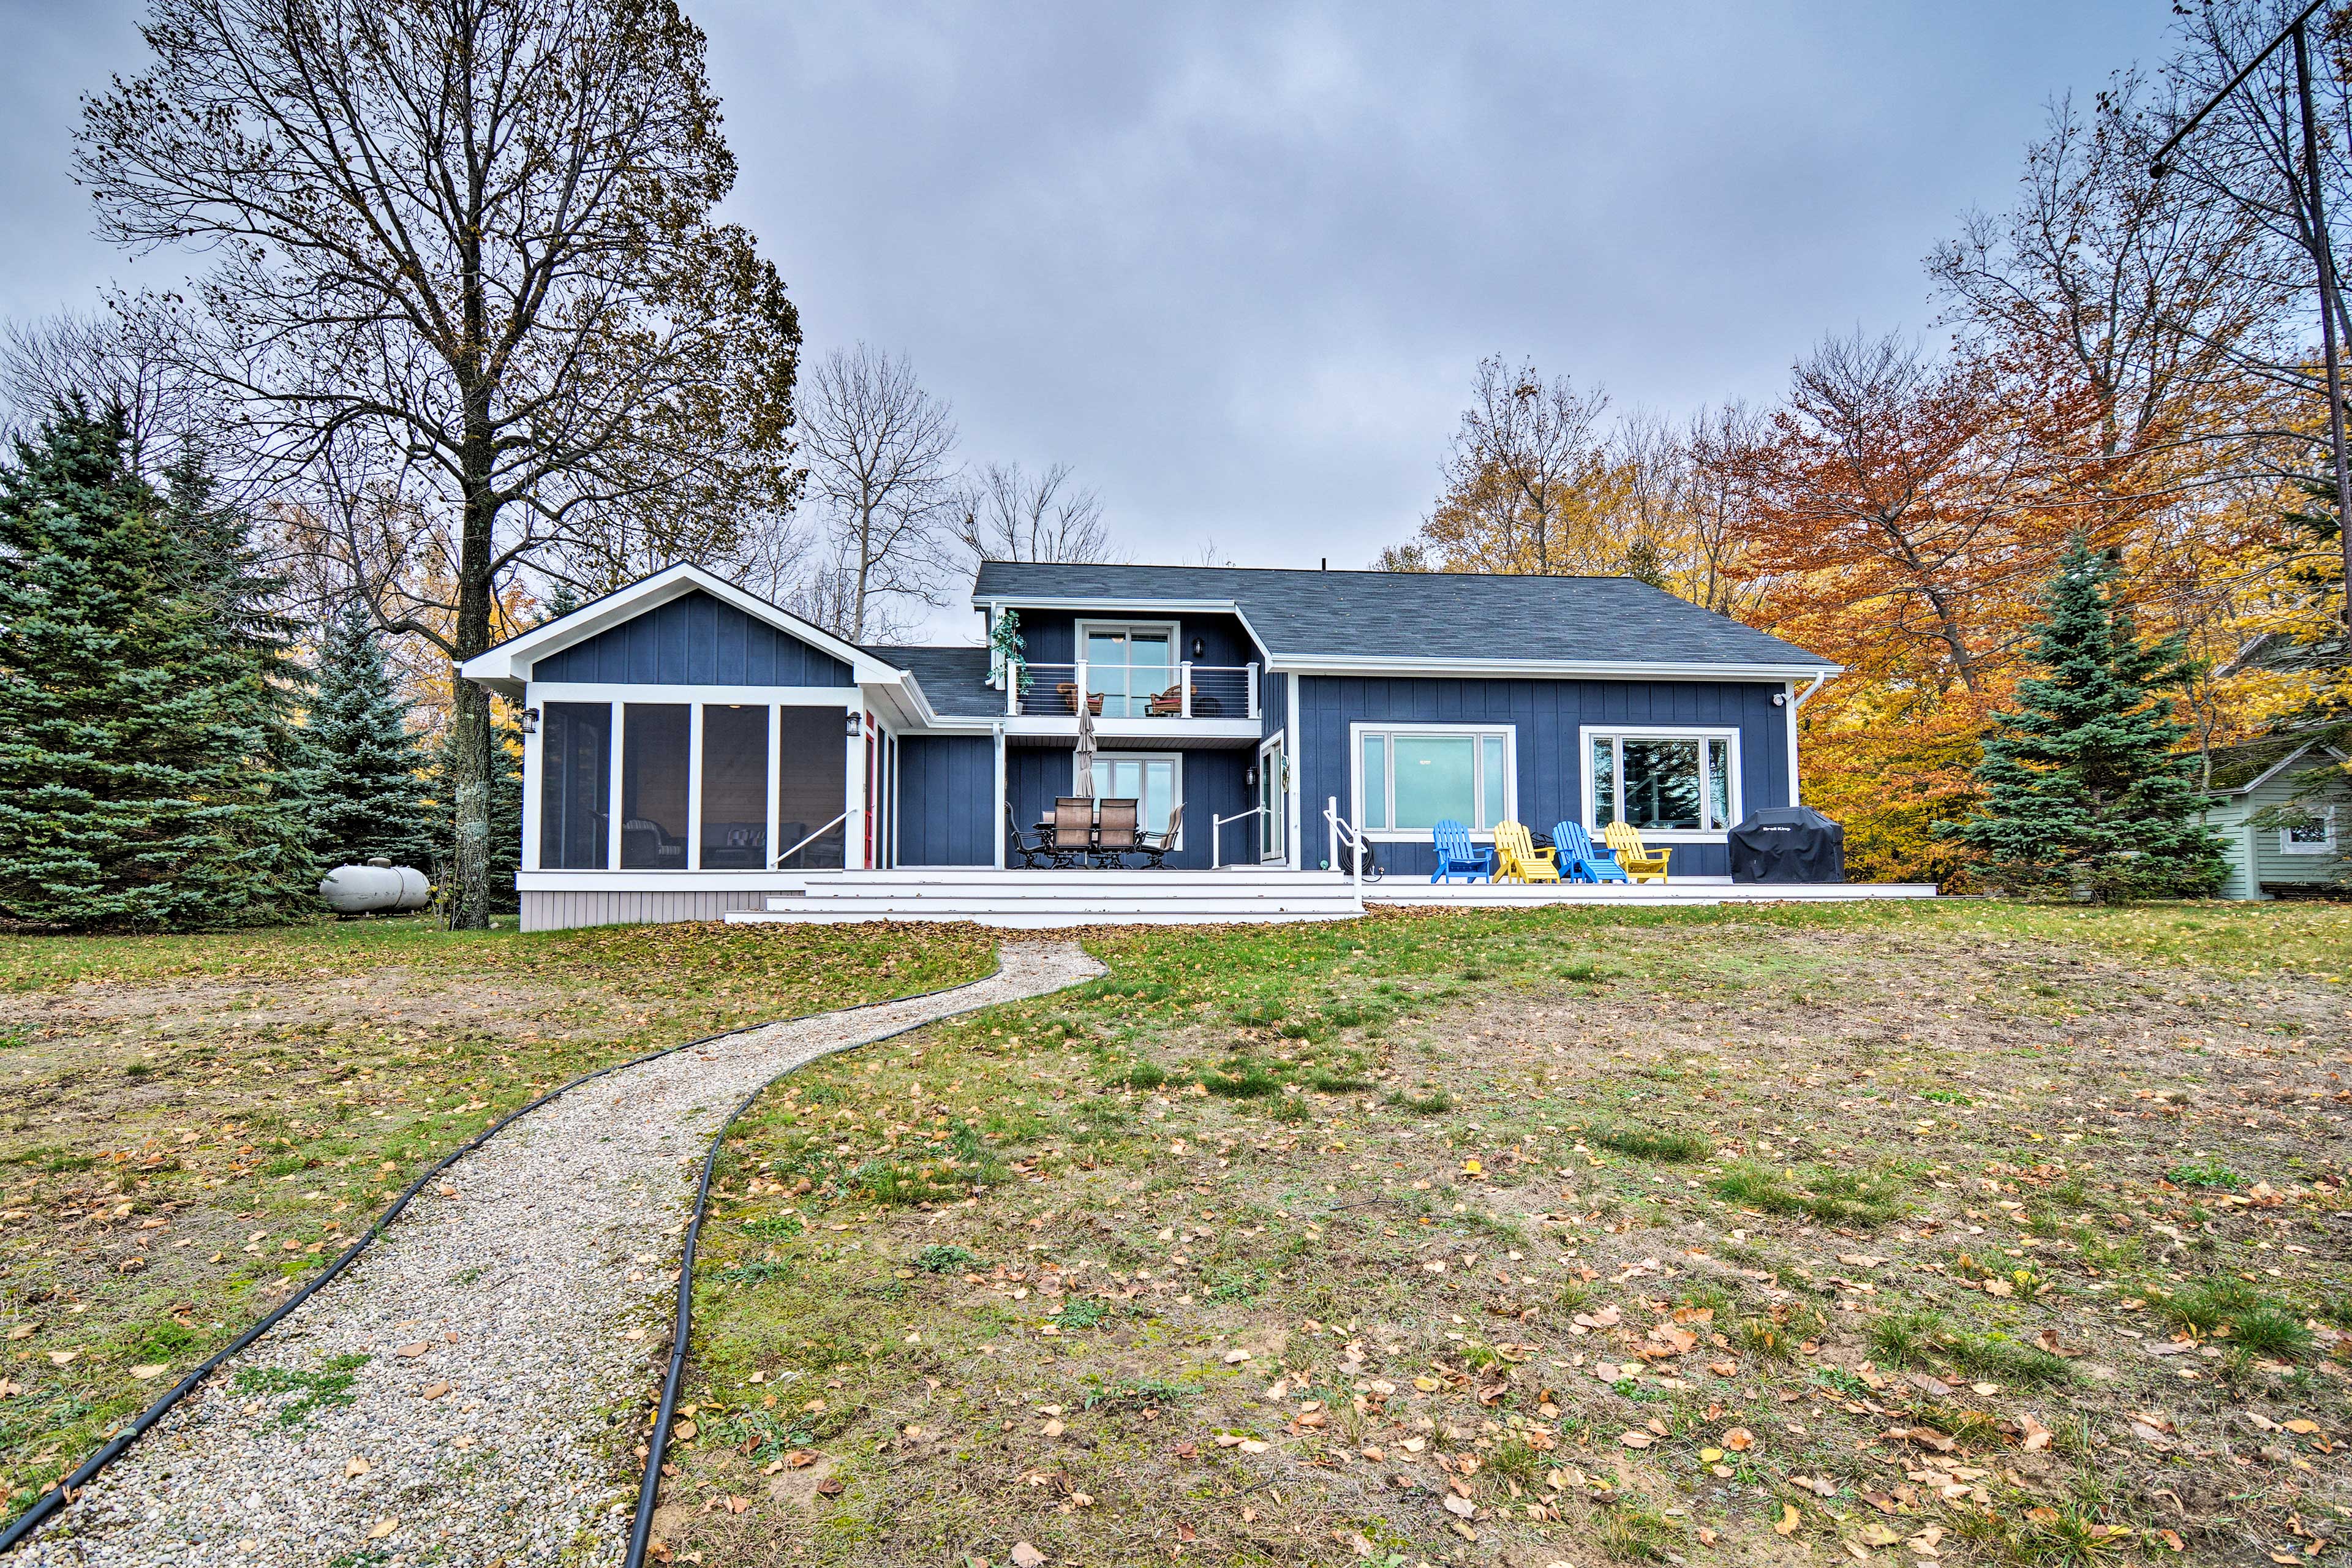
[1183,690]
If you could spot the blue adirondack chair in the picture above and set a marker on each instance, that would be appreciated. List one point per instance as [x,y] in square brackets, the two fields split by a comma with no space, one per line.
[1580,859]
[1457,857]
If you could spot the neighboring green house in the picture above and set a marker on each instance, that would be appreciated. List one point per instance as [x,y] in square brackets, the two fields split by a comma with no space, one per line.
[2283,805]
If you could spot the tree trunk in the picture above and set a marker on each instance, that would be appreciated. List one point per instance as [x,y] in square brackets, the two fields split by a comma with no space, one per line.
[469,908]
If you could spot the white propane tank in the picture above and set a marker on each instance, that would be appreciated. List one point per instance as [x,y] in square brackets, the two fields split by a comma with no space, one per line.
[359,890]
[415,892]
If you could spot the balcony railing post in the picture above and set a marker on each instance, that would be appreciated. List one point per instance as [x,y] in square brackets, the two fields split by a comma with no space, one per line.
[1012,690]
[1079,680]
[1184,688]
[1253,691]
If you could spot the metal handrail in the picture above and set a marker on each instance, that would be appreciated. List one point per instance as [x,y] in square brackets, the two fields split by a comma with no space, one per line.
[1216,828]
[1340,829]
[779,864]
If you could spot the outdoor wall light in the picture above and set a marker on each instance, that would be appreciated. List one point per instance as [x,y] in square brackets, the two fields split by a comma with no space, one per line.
[1249,776]
[530,721]
[1779,699]
[855,725]
[1200,647]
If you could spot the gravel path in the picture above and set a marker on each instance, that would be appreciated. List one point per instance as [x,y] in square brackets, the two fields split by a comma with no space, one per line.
[515,1311]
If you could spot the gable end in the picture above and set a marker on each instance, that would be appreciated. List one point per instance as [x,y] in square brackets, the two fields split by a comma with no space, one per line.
[694,640]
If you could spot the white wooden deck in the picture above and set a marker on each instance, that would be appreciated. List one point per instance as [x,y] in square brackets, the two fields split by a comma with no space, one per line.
[1037,900]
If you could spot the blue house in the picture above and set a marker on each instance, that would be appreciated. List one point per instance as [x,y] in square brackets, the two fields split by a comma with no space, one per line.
[693,751]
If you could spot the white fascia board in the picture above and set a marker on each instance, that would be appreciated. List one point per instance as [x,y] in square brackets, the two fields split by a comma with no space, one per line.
[1128,606]
[1557,670]
[2281,766]
[501,666]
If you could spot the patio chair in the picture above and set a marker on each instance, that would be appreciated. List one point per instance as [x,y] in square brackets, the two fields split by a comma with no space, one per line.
[1580,860]
[1642,865]
[1032,847]
[1115,833]
[1520,860]
[1457,857]
[1068,690]
[1154,847]
[1074,832]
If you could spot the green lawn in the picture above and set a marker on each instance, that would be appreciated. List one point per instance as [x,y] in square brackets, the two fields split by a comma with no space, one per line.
[1981,1231]
[190,1126]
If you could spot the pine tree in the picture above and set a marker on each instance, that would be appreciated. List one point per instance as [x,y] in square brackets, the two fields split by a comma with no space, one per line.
[368,791]
[2083,786]
[144,753]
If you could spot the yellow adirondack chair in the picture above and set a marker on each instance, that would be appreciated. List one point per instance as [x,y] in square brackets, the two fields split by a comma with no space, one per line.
[1644,865]
[1521,861]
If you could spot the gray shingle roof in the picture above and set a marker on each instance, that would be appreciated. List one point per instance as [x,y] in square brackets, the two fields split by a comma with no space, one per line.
[1425,614]
[954,679]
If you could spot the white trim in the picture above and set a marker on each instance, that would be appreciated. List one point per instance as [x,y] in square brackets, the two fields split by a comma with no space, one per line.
[1003,815]
[1796,794]
[1079,628]
[613,800]
[1562,669]
[1294,749]
[1113,605]
[1121,756]
[775,784]
[842,697]
[1273,746]
[2326,815]
[694,786]
[528,858]
[2281,766]
[1702,732]
[1395,727]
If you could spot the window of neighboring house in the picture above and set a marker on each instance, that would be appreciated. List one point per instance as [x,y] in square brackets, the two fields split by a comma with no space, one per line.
[1410,778]
[1158,781]
[1663,781]
[2314,836]
[1129,666]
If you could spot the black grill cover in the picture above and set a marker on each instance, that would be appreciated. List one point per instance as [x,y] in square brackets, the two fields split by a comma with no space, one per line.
[1788,844]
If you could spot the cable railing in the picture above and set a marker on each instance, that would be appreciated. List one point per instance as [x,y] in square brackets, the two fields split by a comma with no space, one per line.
[1188,691]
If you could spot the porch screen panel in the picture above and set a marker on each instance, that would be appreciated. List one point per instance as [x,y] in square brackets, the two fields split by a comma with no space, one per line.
[812,786]
[734,787]
[575,770]
[655,741]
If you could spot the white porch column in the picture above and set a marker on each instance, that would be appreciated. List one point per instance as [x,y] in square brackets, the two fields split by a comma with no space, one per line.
[533,760]
[853,826]
[996,826]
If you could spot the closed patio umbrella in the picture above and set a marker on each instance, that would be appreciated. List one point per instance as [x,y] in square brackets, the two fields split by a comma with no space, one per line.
[1085,752]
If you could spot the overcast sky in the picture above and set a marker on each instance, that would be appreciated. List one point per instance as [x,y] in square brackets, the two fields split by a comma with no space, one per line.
[1236,263]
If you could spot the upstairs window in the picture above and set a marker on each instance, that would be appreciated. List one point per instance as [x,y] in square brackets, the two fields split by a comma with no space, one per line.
[1129,666]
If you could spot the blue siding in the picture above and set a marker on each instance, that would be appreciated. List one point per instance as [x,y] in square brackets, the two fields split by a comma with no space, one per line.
[694,641]
[946,798]
[1547,715]
[1037,775]
[1274,701]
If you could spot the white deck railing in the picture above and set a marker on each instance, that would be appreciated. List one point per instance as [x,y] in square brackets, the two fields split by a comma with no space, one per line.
[1132,692]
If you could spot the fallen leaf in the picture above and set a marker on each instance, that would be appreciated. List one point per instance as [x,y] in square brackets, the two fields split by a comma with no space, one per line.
[63,1358]
[155,1370]
[382,1528]
[1740,1439]
[438,1389]
[1787,1525]
[24,1331]
[1709,1456]
[2301,1426]
[1233,1358]
[830,1486]
[1636,1439]
[1723,1368]
[410,1352]
[2000,1288]
[1460,1507]
[2037,1436]
[1860,1259]
[354,1466]
[1251,1445]
[1052,1428]
[683,1431]
[1026,1555]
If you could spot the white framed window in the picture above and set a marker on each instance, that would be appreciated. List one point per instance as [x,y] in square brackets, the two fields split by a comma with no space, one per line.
[1410,777]
[1156,779]
[1671,782]
[2315,836]
[1129,663]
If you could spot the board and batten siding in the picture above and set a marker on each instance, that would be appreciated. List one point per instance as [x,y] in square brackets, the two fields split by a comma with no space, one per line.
[1036,776]
[694,640]
[947,800]
[1547,716]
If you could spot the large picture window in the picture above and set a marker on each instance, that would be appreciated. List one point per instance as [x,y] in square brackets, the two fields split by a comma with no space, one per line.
[1158,781]
[734,787]
[655,748]
[1683,781]
[1409,779]
[575,770]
